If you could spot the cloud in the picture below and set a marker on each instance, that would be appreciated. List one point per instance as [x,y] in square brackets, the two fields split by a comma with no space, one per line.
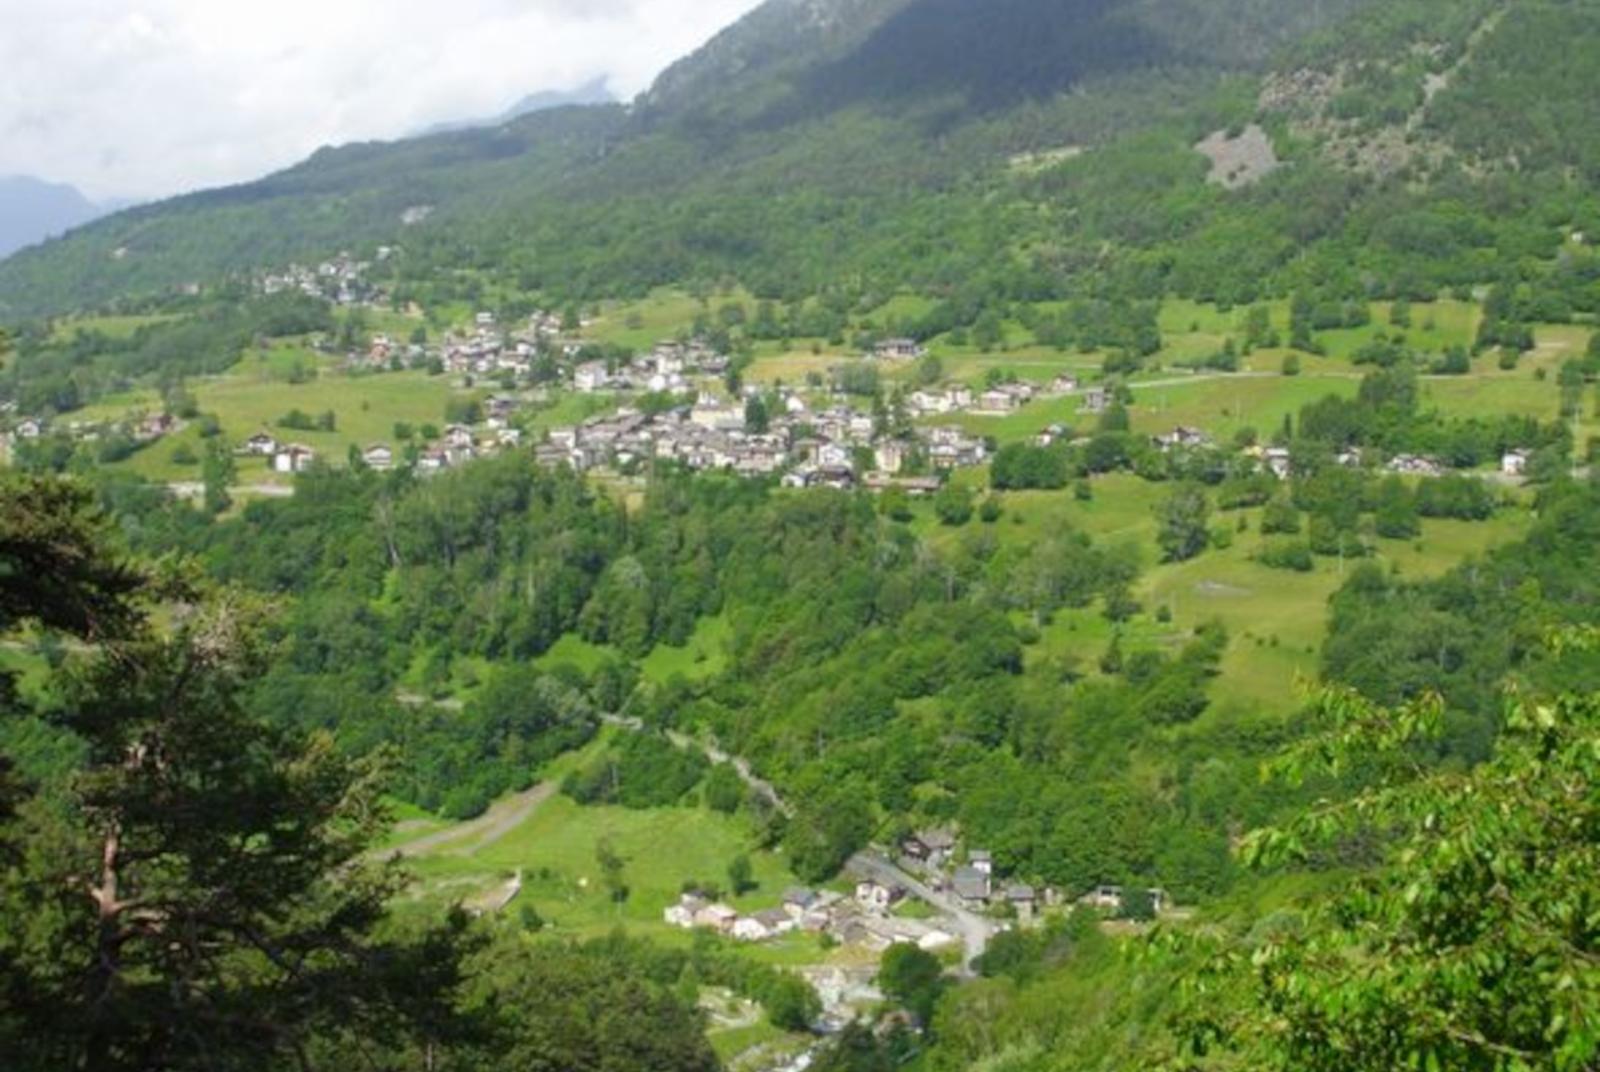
[141,98]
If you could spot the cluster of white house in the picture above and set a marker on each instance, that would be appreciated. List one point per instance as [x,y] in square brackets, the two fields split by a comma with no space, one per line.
[810,448]
[341,280]
[997,401]
[865,919]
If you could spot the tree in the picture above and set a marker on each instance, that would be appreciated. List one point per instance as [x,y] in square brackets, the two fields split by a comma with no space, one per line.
[1185,519]
[756,418]
[611,868]
[791,1003]
[1471,946]
[1395,515]
[218,474]
[913,978]
[204,899]
[953,505]
[741,876]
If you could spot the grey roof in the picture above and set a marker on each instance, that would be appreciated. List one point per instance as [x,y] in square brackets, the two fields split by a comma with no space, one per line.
[799,895]
[1020,893]
[970,884]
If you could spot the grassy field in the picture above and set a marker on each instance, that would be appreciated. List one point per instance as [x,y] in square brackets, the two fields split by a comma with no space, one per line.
[116,327]
[254,397]
[663,315]
[1276,618]
[556,848]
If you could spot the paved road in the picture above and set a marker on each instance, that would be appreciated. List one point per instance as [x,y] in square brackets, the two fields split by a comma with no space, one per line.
[975,931]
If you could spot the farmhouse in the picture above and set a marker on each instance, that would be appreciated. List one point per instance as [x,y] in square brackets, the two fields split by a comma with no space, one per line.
[295,458]
[1515,462]
[899,350]
[261,445]
[378,456]
[876,897]
[971,886]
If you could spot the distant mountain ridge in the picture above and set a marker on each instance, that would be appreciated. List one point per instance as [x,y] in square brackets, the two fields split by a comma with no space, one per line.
[32,210]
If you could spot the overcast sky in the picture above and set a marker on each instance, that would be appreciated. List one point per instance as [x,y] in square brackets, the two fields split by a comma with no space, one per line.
[142,98]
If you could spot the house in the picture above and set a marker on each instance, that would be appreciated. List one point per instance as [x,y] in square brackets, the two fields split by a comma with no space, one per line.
[890,456]
[458,437]
[981,860]
[1023,901]
[899,350]
[432,461]
[717,917]
[591,377]
[295,458]
[379,456]
[1064,385]
[876,897]
[31,428]
[1414,465]
[797,901]
[157,426]
[716,416]
[1096,400]
[971,887]
[762,926]
[1515,462]
[1182,438]
[261,445]
[682,914]
[1107,898]
[1277,460]
[930,846]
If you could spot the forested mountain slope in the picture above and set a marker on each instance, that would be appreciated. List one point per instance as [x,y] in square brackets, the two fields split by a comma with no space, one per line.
[820,141]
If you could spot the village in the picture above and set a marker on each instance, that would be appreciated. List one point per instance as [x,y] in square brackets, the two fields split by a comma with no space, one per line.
[959,893]
[677,403]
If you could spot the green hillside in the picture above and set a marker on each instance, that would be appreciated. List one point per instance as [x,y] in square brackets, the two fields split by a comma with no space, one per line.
[868,146]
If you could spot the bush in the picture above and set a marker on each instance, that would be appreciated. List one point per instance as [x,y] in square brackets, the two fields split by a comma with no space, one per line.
[1287,555]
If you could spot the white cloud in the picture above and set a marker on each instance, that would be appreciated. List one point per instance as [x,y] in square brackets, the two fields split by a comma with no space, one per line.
[140,98]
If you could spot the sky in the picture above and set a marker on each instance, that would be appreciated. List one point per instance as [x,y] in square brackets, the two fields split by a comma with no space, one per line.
[136,99]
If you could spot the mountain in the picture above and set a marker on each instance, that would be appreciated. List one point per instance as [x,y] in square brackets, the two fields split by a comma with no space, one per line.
[1006,148]
[32,210]
[596,91]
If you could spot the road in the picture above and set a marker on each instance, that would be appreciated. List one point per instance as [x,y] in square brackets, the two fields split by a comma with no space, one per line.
[486,830]
[975,931]
[759,786]
[189,489]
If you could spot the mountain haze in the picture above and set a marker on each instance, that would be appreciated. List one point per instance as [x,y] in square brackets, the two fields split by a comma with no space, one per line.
[32,210]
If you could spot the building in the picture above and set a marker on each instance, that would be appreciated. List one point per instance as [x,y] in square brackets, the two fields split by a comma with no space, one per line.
[899,350]
[1023,901]
[1096,400]
[591,378]
[261,445]
[981,860]
[1515,462]
[716,917]
[971,886]
[294,458]
[682,914]
[797,901]
[379,456]
[876,897]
